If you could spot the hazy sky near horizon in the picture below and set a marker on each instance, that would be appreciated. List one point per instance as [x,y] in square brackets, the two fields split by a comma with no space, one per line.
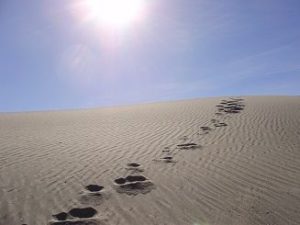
[52,58]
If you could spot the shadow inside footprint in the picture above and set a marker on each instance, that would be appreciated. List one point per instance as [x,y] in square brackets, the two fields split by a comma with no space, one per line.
[83,212]
[94,188]
[61,216]
[120,180]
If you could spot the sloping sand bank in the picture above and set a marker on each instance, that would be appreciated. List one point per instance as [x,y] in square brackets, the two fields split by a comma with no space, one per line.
[214,161]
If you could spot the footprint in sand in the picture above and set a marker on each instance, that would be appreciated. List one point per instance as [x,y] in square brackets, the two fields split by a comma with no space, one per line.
[134,167]
[76,216]
[93,194]
[204,130]
[188,146]
[133,185]
[220,124]
[166,159]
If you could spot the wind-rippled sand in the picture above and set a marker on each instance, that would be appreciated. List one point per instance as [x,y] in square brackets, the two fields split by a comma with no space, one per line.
[203,164]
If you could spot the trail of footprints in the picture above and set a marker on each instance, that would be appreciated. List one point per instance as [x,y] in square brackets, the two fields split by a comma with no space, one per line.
[135,183]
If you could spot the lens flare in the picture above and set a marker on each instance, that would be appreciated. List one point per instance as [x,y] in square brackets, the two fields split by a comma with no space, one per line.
[114,13]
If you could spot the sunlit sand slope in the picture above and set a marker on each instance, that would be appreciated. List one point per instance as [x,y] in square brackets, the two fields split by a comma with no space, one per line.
[214,161]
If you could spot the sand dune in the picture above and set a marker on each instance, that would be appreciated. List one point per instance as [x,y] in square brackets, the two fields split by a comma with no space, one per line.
[214,161]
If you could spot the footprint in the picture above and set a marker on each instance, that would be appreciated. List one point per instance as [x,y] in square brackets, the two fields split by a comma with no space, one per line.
[93,194]
[188,146]
[205,128]
[76,216]
[133,185]
[135,167]
[220,124]
[166,159]
[94,188]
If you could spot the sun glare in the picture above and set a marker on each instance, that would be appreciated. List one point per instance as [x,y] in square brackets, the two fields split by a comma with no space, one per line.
[114,13]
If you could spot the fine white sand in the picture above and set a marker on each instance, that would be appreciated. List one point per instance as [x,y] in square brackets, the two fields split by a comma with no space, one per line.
[243,172]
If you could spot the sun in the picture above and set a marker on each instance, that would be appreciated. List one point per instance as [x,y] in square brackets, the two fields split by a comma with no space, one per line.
[115,13]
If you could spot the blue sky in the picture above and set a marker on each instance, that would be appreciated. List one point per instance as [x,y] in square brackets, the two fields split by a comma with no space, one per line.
[49,59]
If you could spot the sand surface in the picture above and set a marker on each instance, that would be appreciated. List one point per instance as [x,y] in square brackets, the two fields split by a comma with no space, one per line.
[229,168]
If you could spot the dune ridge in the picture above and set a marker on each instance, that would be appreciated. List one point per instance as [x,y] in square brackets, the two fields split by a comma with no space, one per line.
[213,161]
